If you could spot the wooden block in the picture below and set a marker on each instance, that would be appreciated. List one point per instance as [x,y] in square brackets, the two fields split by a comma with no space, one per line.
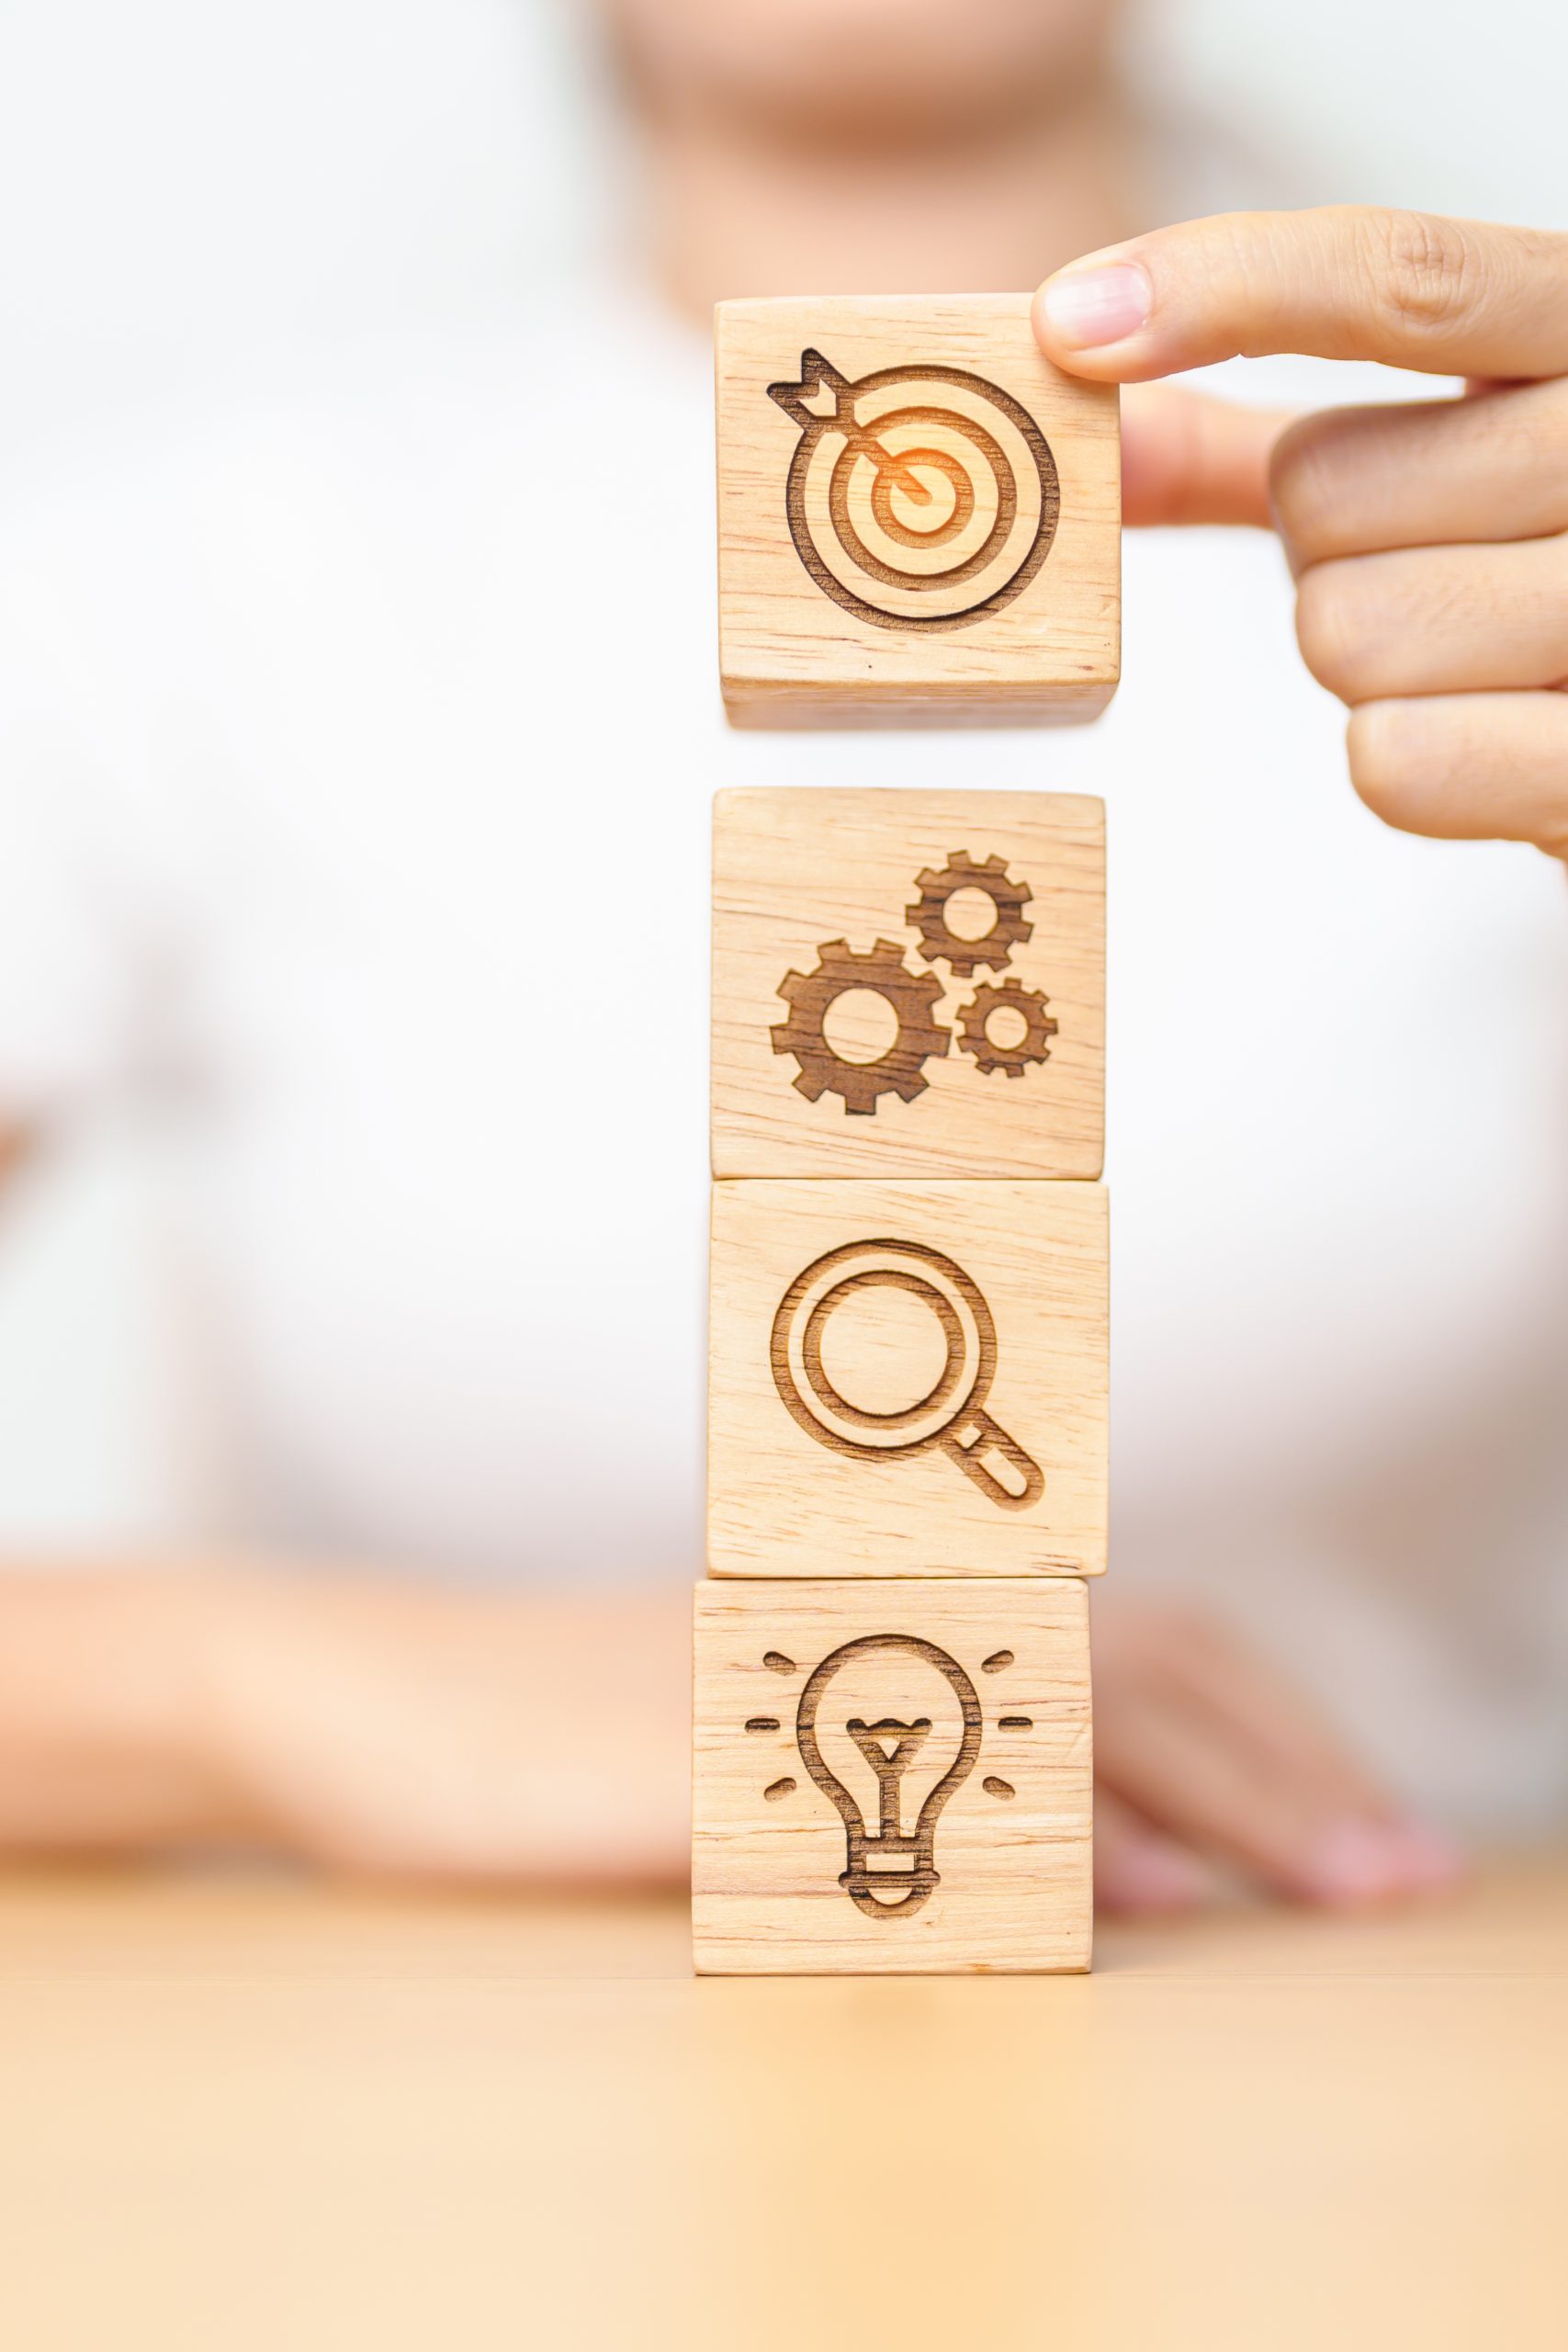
[891,1777]
[860,1025]
[906,1380]
[918,516]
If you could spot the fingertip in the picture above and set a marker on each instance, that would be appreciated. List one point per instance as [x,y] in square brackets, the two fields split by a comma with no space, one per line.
[1086,316]
[1187,459]
[1431,1863]
[1146,1876]
[1361,1862]
[1350,1864]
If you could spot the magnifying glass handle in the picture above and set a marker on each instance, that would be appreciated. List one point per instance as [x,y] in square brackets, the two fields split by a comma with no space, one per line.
[977,1436]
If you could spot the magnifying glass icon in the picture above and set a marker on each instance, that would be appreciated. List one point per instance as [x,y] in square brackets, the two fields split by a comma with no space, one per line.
[951,1416]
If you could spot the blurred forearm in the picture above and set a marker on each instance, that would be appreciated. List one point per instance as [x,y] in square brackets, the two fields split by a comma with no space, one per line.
[362,1721]
[105,1733]
[377,1726]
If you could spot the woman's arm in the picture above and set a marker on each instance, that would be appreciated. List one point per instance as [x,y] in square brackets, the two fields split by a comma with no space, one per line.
[363,1722]
[400,1730]
[359,1722]
[103,1741]
[379,1727]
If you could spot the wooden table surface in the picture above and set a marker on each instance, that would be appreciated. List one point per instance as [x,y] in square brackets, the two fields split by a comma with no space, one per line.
[238,2111]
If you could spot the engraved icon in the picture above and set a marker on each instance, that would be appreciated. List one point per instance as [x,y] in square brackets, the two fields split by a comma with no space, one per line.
[919,498]
[949,1415]
[914,1767]
[987,877]
[1033,1028]
[836,1064]
[842,971]
[896,1769]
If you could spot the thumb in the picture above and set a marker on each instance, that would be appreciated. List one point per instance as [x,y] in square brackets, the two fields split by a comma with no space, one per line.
[1187,459]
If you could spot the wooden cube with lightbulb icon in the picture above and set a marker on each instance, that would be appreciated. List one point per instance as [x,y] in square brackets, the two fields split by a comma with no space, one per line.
[891,1777]
[908,1380]
[918,516]
[907,983]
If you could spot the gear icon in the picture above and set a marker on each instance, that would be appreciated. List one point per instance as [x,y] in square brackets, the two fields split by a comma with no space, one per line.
[1038,1028]
[929,913]
[809,995]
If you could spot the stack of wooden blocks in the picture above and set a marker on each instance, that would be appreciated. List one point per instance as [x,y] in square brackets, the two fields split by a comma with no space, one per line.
[908,1386]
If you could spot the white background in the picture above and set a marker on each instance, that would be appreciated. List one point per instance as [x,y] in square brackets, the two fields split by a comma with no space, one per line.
[191,194]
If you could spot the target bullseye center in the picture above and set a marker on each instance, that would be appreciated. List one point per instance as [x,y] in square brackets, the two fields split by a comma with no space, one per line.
[927,503]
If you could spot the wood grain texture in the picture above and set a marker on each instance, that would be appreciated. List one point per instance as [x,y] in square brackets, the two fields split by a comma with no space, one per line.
[965,1848]
[831,907]
[1238,2134]
[907,1379]
[918,516]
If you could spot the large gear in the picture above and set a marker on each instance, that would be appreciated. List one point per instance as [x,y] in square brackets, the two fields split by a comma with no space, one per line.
[1039,1028]
[929,913]
[912,995]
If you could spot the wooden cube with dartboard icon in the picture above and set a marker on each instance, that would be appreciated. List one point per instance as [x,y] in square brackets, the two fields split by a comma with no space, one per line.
[909,983]
[918,516]
[908,1380]
[891,1777]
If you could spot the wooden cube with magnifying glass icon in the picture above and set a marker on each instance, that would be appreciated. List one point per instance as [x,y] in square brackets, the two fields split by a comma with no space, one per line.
[908,1380]
[891,1777]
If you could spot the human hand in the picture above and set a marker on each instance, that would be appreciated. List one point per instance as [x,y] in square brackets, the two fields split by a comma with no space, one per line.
[1207,1760]
[395,1730]
[1430,541]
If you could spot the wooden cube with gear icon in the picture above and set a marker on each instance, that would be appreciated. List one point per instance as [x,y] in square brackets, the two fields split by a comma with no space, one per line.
[891,1777]
[907,1379]
[909,983]
[918,516]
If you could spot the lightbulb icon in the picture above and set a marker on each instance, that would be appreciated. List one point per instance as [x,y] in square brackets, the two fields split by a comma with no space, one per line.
[915,1762]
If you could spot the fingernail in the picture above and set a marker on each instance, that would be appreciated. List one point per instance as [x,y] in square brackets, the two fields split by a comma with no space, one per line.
[1353,1864]
[1425,1858]
[1089,307]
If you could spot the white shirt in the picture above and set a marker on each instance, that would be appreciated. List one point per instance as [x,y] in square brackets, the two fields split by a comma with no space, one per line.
[355,790]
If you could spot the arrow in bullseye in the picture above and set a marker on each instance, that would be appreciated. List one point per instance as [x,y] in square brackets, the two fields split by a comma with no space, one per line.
[822,397]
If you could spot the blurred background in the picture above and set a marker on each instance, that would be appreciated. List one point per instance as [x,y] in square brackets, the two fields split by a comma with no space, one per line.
[1337,1114]
[205,208]
[194,200]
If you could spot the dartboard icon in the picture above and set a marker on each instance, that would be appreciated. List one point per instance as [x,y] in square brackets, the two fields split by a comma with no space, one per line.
[918,497]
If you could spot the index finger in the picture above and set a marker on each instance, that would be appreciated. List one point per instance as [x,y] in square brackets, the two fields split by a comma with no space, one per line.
[1451,297]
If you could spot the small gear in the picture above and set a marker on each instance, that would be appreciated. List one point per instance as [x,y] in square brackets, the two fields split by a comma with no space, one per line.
[912,995]
[1038,1028]
[929,913]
